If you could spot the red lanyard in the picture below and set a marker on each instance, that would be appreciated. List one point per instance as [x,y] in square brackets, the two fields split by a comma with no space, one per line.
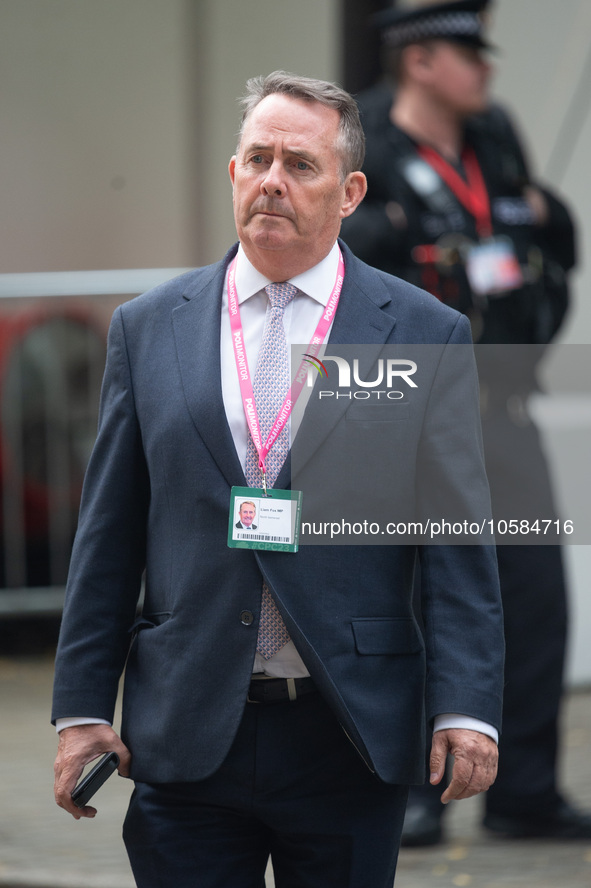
[471,194]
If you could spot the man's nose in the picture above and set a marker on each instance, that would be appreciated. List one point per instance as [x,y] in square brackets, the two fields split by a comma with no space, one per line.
[273,184]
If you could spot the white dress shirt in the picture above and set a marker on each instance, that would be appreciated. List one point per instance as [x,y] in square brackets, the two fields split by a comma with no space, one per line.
[300,320]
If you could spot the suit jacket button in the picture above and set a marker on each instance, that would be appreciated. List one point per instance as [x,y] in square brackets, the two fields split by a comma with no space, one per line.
[246,618]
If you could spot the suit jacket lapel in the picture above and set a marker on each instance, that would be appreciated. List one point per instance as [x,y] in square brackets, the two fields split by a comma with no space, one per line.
[196,325]
[359,320]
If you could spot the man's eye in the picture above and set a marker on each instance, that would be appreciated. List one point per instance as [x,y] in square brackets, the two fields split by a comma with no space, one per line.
[258,158]
[302,165]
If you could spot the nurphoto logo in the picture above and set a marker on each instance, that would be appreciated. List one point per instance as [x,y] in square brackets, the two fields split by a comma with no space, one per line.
[388,372]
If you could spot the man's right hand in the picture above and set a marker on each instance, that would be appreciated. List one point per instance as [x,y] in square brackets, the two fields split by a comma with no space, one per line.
[76,748]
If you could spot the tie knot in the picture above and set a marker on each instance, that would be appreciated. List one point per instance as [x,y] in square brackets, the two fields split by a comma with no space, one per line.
[280,295]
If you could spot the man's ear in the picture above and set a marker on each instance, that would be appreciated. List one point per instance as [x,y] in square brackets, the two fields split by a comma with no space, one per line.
[232,169]
[355,188]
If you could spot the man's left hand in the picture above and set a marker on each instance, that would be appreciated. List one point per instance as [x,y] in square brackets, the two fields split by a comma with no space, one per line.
[475,762]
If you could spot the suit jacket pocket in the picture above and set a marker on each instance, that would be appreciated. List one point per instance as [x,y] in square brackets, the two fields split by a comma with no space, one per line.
[386,635]
[149,620]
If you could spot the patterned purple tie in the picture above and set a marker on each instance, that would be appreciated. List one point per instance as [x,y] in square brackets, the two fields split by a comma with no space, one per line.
[271,382]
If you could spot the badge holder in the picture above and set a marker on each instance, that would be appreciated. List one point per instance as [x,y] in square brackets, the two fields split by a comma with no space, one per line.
[492,267]
[264,519]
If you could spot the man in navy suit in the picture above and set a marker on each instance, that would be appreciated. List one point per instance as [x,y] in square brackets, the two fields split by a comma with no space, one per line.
[302,751]
[246,513]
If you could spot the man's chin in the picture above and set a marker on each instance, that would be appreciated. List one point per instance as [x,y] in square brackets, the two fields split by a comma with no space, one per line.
[271,236]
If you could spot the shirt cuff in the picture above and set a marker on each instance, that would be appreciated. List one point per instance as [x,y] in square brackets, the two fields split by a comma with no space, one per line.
[61,723]
[449,720]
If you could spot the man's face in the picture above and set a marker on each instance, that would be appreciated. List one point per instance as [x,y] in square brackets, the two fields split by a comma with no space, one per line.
[289,196]
[247,513]
[460,77]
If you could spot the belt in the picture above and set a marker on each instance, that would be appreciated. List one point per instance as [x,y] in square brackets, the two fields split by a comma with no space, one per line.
[279,690]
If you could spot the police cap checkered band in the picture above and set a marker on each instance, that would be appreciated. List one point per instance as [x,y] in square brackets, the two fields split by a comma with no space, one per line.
[460,20]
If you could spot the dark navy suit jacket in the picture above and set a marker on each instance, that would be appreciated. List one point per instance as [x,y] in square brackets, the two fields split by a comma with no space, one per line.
[156,499]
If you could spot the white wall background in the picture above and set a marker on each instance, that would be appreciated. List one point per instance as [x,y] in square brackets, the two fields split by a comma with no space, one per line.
[119,119]
[93,143]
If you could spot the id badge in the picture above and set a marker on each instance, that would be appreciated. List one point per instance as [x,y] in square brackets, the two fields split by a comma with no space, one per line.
[264,521]
[492,267]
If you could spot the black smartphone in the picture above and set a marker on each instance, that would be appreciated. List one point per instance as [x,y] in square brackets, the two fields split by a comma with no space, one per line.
[95,779]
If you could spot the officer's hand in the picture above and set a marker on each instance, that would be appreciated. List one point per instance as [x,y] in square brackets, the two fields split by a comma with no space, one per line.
[537,204]
[475,762]
[76,748]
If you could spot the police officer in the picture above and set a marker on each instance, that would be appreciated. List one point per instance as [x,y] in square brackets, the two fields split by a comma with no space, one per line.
[451,207]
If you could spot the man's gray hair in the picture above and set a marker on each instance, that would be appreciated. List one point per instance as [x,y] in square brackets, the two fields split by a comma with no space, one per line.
[350,140]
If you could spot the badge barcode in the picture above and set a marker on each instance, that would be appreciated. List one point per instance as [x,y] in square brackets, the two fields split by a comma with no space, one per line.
[262,536]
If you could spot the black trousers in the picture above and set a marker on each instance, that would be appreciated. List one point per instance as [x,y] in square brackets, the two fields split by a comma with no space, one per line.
[293,788]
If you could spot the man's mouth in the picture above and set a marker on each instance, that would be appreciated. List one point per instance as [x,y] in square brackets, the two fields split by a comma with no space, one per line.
[269,210]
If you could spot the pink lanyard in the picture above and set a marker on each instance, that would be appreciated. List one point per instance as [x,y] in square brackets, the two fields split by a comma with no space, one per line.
[244,377]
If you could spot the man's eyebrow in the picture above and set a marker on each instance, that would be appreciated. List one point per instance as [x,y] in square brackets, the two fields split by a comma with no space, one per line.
[297,152]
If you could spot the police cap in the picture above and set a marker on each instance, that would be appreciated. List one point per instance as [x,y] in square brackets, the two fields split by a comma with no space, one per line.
[461,21]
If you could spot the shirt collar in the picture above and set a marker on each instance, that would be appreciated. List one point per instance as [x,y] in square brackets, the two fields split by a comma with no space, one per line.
[317,282]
